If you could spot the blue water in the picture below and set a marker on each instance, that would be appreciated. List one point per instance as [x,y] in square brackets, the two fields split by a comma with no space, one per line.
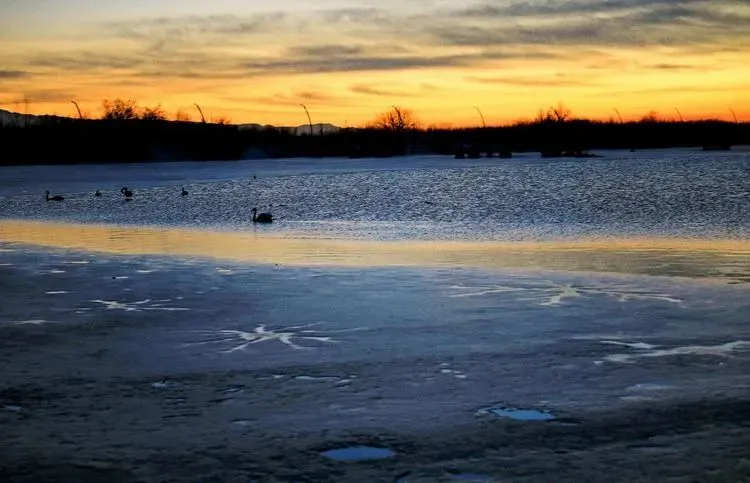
[676,193]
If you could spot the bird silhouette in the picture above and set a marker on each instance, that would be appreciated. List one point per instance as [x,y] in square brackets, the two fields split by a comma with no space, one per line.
[52,198]
[261,217]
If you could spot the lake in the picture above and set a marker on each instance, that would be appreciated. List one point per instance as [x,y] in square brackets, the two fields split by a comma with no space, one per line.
[406,304]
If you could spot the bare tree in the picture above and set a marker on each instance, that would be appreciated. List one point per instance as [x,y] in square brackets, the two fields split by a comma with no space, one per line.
[200,111]
[120,109]
[221,120]
[78,108]
[651,116]
[397,119]
[155,113]
[182,116]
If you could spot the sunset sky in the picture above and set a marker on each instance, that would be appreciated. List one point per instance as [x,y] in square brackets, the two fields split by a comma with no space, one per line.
[347,60]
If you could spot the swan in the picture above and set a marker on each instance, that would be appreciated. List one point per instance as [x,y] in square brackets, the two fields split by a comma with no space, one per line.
[52,198]
[261,217]
[125,191]
[97,193]
[184,193]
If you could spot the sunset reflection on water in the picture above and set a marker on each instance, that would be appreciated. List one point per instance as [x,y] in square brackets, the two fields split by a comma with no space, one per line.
[726,259]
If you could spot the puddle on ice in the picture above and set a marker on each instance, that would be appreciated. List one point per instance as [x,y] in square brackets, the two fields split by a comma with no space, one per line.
[163,384]
[358,453]
[519,414]
[57,292]
[242,422]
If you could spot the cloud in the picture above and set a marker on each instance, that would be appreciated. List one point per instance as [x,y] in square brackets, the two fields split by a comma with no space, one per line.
[596,23]
[378,39]
[325,51]
[13,74]
[374,91]
[288,99]
[558,81]
[673,67]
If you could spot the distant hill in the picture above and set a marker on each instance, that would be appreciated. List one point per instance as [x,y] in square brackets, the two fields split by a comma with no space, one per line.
[8,118]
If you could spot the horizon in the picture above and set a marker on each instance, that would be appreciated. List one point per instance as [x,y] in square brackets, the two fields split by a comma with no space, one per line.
[348,62]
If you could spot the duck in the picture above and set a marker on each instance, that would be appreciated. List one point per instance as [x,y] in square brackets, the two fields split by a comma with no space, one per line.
[261,217]
[98,193]
[52,198]
[125,191]
[184,192]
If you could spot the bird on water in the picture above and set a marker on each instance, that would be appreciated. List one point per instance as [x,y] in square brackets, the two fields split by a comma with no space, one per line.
[126,192]
[52,198]
[184,193]
[98,193]
[261,217]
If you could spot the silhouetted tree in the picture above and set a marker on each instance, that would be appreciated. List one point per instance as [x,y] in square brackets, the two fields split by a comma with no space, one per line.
[182,116]
[651,116]
[223,120]
[397,119]
[120,109]
[155,113]
[555,114]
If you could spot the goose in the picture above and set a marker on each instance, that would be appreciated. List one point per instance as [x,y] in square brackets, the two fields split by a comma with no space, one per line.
[184,193]
[97,193]
[52,198]
[261,217]
[125,191]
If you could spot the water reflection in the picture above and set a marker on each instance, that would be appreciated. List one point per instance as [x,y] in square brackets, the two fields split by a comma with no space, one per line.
[727,259]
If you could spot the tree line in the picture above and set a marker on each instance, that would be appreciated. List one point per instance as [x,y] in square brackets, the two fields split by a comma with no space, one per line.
[127,132]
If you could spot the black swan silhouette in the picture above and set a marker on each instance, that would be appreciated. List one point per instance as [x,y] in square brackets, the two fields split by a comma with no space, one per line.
[52,198]
[261,217]
[125,191]
[98,193]
[184,193]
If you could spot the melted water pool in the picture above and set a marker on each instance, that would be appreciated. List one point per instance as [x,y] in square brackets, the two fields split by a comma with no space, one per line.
[520,414]
[358,453]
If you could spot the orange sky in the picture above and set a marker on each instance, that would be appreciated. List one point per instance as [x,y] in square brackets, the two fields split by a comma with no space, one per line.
[347,60]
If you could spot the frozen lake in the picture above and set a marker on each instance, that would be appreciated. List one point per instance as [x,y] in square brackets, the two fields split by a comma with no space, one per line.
[398,304]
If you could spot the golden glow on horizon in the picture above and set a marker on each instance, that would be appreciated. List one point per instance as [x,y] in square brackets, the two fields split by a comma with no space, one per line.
[347,64]
[691,258]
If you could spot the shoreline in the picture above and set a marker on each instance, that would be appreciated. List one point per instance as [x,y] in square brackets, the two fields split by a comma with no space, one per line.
[624,255]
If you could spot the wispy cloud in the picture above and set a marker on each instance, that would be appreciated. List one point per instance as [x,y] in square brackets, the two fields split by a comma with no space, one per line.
[376,91]
[12,74]
[362,39]
[555,81]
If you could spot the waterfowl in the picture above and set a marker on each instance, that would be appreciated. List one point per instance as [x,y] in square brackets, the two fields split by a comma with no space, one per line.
[184,193]
[261,217]
[52,198]
[125,191]
[97,193]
